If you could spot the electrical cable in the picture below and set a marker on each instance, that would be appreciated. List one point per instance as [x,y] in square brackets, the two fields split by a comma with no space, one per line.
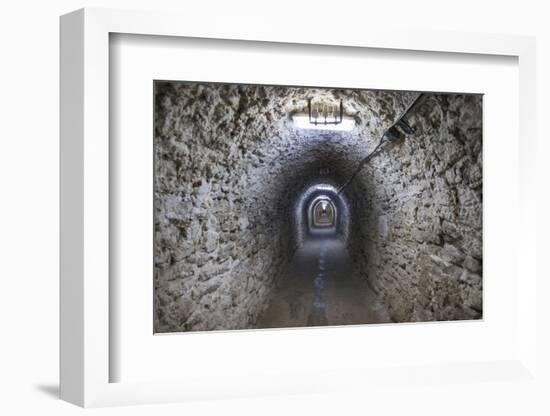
[388,136]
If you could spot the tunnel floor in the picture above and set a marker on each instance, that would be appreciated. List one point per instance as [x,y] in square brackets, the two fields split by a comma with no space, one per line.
[319,289]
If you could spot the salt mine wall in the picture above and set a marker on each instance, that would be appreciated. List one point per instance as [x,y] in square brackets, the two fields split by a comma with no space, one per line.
[221,232]
[419,215]
[230,168]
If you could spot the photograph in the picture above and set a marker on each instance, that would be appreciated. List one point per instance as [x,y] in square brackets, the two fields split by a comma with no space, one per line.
[291,206]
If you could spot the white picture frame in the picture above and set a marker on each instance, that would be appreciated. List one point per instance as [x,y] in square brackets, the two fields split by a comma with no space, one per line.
[85,221]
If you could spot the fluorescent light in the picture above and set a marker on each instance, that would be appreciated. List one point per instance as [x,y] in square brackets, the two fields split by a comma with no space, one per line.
[301,121]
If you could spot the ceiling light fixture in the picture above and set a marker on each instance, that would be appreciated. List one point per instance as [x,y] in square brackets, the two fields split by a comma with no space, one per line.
[322,116]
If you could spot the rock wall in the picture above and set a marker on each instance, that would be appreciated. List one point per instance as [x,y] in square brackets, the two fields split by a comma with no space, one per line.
[230,168]
[419,240]
[220,233]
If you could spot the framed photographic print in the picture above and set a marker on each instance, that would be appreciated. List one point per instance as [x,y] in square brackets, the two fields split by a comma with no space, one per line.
[277,206]
[272,213]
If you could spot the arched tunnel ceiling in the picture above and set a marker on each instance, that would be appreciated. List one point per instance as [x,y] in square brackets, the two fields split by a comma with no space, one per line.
[228,117]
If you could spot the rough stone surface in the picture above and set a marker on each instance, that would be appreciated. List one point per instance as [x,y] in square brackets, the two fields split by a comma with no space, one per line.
[229,168]
[420,215]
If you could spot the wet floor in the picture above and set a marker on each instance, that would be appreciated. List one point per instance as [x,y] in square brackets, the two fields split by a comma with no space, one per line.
[319,288]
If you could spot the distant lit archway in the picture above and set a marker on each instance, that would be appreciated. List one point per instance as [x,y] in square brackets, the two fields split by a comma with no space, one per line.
[324,214]
[334,222]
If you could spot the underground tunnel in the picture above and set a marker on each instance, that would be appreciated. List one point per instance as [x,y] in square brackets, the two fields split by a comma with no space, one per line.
[285,206]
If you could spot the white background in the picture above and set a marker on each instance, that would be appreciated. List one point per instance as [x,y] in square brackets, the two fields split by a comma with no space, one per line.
[29,217]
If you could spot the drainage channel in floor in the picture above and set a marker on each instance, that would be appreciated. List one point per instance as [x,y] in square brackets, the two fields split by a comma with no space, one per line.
[317,314]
